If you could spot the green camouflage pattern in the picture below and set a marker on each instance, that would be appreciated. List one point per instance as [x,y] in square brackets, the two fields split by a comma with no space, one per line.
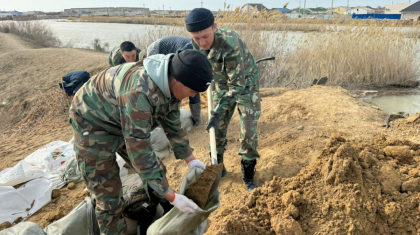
[115,58]
[236,83]
[122,105]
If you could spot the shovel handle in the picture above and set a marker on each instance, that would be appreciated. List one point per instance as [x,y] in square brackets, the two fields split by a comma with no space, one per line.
[212,132]
[264,59]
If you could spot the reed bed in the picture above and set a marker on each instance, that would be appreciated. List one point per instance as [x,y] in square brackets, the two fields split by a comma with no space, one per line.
[37,32]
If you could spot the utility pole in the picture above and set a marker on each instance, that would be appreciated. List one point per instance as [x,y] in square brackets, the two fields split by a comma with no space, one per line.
[332,6]
[304,8]
[299,5]
[348,7]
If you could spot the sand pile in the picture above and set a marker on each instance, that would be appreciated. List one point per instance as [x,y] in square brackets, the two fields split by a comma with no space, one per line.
[351,188]
[409,127]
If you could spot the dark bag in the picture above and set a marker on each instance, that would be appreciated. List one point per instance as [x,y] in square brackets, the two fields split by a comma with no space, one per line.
[73,81]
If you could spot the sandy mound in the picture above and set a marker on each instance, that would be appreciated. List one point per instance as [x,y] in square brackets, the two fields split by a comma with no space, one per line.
[352,188]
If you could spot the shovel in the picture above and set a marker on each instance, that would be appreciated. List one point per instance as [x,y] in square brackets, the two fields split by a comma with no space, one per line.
[212,132]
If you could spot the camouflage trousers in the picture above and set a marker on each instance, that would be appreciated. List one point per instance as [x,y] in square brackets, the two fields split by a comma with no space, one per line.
[95,153]
[249,108]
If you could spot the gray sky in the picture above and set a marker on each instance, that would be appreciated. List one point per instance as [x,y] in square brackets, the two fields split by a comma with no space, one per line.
[59,5]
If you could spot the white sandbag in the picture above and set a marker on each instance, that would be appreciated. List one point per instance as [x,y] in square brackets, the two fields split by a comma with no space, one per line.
[186,120]
[44,162]
[52,156]
[80,221]
[68,172]
[160,143]
[20,173]
[24,201]
[24,228]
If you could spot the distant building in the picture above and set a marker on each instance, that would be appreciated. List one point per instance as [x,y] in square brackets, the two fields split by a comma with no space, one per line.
[396,8]
[412,12]
[360,10]
[281,10]
[5,14]
[250,6]
[380,10]
[302,11]
[34,13]
[106,11]
[16,13]
[319,11]
[340,11]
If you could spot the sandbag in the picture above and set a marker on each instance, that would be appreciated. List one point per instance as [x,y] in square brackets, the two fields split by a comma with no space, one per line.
[24,228]
[160,143]
[176,222]
[81,220]
[186,120]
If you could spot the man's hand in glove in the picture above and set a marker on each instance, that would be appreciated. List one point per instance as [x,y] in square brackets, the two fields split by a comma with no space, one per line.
[181,202]
[193,162]
[213,121]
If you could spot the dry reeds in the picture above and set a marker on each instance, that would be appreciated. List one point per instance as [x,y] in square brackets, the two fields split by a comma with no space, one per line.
[36,31]
[356,57]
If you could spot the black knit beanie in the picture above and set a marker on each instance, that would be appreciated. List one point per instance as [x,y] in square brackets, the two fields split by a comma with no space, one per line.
[199,19]
[191,68]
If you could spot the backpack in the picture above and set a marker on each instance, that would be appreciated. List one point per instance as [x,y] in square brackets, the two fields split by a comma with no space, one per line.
[73,81]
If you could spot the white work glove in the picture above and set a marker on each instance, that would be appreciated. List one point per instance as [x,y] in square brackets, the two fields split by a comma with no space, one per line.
[184,204]
[196,163]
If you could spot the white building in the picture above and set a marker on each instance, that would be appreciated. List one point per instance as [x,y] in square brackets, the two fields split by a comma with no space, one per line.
[360,10]
[5,14]
[107,11]
[412,12]
[250,6]
[396,8]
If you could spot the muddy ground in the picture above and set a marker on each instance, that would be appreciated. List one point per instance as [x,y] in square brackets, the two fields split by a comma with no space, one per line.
[320,167]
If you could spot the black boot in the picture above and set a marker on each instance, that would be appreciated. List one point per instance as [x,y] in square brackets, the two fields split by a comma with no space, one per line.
[220,161]
[248,172]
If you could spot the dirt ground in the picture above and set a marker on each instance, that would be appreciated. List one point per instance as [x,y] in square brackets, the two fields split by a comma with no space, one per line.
[323,165]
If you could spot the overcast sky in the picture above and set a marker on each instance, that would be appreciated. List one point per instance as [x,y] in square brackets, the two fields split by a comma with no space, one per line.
[60,5]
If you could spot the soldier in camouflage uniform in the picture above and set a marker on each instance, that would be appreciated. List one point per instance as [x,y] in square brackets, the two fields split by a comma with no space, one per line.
[122,105]
[126,52]
[236,81]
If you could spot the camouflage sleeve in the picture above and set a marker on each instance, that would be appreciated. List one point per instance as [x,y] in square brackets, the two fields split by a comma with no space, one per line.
[110,62]
[235,70]
[177,136]
[136,116]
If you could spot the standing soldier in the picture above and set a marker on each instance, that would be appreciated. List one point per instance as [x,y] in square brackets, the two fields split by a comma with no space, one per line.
[126,52]
[236,82]
[122,105]
[172,44]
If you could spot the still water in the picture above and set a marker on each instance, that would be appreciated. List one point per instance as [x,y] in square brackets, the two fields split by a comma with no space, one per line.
[394,103]
[82,34]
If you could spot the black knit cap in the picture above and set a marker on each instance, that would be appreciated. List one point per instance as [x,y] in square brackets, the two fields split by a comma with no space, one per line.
[199,19]
[191,68]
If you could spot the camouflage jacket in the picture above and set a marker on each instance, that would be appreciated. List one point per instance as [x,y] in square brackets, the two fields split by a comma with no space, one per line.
[115,58]
[126,101]
[234,70]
